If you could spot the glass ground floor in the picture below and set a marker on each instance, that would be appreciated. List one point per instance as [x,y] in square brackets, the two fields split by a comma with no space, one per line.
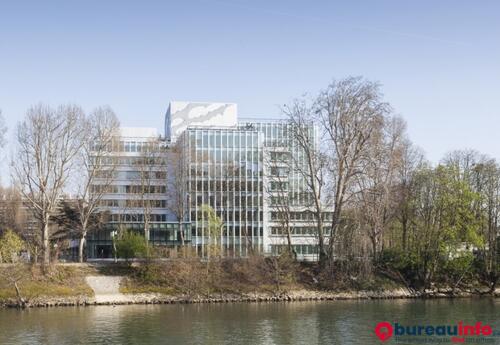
[99,244]
[167,238]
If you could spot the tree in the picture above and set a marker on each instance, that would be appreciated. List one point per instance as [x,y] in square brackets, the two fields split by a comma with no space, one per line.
[376,197]
[349,111]
[482,175]
[214,227]
[487,177]
[130,245]
[69,221]
[47,142]
[177,191]
[95,167]
[412,159]
[277,189]
[3,130]
[311,164]
[10,247]
[151,168]
[445,220]
[11,210]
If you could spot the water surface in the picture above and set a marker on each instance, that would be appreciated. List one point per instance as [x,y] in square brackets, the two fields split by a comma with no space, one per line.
[335,322]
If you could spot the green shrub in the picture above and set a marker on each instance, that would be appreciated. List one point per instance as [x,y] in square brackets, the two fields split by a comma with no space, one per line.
[407,264]
[455,269]
[10,246]
[131,245]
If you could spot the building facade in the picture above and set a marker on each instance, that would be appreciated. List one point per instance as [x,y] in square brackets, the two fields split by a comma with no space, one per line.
[240,169]
[136,198]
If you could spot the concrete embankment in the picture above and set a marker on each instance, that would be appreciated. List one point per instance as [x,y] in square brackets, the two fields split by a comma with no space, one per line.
[106,289]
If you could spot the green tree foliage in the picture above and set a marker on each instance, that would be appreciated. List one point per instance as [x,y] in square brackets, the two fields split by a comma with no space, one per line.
[10,246]
[130,244]
[213,229]
[444,226]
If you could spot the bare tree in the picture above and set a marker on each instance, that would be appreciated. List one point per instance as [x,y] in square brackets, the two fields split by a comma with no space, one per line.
[47,142]
[3,130]
[16,273]
[151,168]
[411,160]
[177,191]
[278,192]
[377,198]
[96,167]
[310,163]
[11,210]
[349,111]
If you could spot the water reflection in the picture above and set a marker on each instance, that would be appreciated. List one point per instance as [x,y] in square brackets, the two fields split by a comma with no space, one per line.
[341,322]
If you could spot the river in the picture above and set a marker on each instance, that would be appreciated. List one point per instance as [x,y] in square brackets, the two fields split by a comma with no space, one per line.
[335,322]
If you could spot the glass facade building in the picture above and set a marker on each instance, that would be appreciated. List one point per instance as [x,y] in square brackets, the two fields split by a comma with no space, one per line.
[225,171]
[242,170]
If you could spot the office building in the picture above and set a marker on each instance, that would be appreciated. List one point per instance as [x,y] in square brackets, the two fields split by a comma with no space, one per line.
[239,168]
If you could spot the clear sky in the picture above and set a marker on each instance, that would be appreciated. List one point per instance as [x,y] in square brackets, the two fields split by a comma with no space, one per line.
[438,61]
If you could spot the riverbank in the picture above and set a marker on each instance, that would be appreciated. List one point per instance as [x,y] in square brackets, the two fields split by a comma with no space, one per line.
[189,282]
[293,296]
[290,296]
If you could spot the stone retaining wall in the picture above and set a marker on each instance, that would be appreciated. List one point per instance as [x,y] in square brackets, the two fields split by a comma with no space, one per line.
[302,295]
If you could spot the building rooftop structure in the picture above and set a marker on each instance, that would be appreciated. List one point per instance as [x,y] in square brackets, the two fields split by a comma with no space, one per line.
[181,115]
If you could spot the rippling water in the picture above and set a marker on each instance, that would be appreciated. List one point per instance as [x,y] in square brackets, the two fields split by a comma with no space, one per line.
[336,322]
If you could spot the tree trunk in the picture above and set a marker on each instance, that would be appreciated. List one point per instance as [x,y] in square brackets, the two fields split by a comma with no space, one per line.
[373,239]
[181,229]
[405,233]
[45,243]
[321,238]
[35,255]
[146,232]
[20,299]
[289,240]
[81,244]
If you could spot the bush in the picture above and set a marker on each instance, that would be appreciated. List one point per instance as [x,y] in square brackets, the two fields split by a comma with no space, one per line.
[236,276]
[10,246]
[406,264]
[454,270]
[186,277]
[131,245]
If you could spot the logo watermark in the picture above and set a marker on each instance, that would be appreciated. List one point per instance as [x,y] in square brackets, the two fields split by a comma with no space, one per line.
[456,333]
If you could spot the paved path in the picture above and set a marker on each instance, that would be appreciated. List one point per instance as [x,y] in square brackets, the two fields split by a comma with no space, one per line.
[106,288]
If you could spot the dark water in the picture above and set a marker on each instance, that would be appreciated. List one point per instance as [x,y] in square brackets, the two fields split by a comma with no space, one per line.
[338,322]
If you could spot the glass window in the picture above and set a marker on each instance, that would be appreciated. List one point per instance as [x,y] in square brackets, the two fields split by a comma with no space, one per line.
[205,139]
[198,138]
[224,139]
[217,139]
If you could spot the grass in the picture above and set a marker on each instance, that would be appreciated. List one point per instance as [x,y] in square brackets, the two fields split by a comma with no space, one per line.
[60,281]
[184,277]
[231,276]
